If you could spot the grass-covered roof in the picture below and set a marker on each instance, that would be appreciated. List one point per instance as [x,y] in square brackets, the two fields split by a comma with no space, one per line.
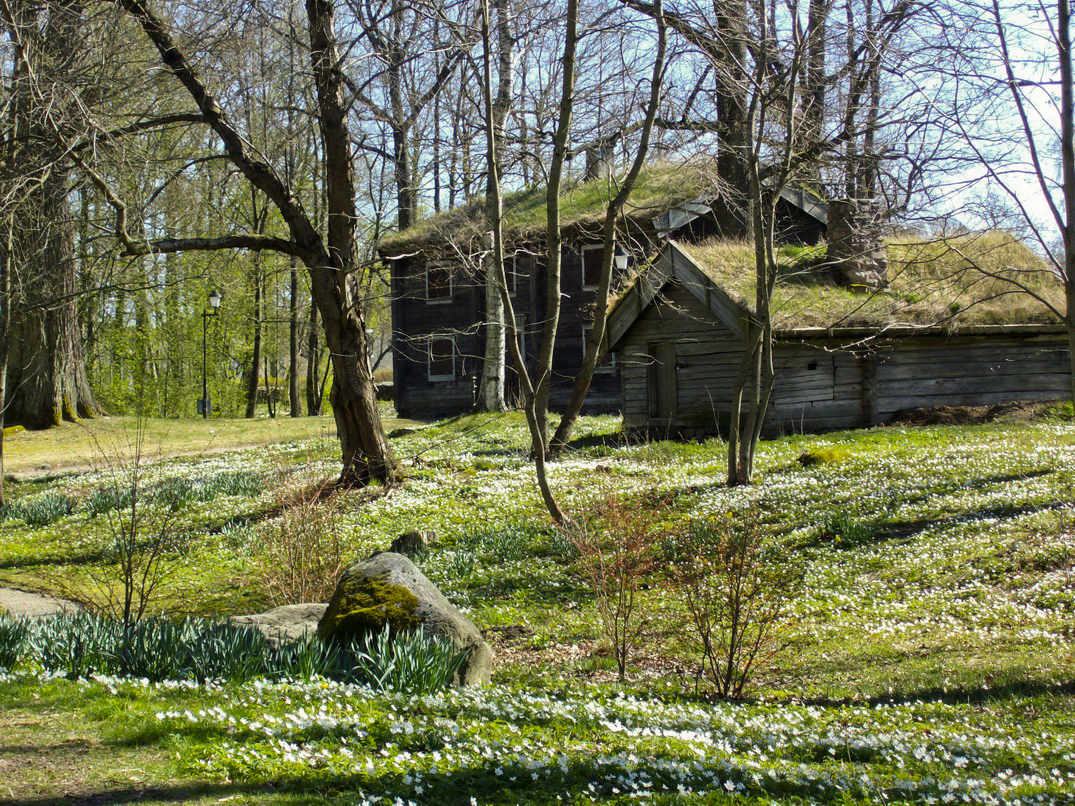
[969,280]
[659,187]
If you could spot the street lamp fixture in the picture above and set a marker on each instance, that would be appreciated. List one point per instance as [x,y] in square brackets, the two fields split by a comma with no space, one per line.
[621,260]
[205,406]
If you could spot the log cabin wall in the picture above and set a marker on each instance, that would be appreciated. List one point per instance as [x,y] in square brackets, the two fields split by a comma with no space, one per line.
[820,384]
[416,319]
[970,371]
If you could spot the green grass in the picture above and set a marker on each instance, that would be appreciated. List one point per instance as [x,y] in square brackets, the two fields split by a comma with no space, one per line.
[964,280]
[659,187]
[934,646]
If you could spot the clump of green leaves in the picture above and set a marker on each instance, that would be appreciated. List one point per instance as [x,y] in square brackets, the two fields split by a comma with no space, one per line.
[412,662]
[12,641]
[843,528]
[78,645]
[41,510]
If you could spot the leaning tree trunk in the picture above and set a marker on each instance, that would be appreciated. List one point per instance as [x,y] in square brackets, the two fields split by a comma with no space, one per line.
[46,380]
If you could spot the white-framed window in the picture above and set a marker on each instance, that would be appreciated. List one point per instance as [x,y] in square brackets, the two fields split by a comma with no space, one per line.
[515,268]
[605,364]
[438,281]
[440,358]
[591,265]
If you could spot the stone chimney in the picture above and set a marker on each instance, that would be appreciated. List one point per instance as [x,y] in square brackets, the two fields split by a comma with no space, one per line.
[856,246]
[600,158]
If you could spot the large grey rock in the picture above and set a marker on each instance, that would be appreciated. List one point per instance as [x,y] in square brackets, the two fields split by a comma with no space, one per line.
[286,623]
[389,589]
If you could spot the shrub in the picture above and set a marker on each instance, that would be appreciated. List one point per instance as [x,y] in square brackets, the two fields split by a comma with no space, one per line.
[300,554]
[12,642]
[616,543]
[735,586]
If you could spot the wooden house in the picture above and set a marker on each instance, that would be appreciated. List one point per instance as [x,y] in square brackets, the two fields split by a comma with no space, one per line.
[942,333]
[438,295]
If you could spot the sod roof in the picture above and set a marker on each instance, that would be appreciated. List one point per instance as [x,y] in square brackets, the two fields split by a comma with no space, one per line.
[970,280]
[659,188]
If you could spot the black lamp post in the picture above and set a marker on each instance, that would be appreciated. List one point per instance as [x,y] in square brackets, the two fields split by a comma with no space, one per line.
[204,406]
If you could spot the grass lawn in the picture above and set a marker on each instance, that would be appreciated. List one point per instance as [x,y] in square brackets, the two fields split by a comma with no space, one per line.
[929,658]
[35,453]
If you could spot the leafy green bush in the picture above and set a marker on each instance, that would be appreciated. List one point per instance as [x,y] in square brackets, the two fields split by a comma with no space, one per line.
[12,641]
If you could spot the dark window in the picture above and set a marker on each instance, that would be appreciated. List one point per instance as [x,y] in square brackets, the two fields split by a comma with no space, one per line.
[591,265]
[606,363]
[438,283]
[441,358]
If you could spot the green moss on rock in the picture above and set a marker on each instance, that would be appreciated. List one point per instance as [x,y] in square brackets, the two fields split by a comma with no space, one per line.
[824,456]
[365,605]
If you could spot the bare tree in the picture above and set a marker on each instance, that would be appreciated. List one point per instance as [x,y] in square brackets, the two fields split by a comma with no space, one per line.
[1012,105]
[328,252]
[46,378]
[609,235]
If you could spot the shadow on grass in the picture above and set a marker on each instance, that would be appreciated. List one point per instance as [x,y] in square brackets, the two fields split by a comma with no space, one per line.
[180,792]
[901,530]
[52,560]
[976,695]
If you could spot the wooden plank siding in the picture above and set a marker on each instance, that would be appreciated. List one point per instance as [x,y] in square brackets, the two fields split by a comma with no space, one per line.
[821,384]
[416,319]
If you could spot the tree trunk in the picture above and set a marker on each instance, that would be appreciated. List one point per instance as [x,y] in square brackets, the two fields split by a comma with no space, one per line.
[252,378]
[491,387]
[46,382]
[596,333]
[315,391]
[294,327]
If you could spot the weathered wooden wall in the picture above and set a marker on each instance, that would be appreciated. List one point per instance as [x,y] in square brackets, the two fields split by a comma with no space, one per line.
[414,319]
[820,384]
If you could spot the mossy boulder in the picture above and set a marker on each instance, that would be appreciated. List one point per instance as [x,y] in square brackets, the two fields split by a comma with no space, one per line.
[285,623]
[388,589]
[824,456]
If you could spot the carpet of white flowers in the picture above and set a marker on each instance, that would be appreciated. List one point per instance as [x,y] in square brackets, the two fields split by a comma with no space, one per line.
[587,743]
[931,658]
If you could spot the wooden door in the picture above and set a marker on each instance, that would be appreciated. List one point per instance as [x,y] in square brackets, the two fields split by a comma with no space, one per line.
[663,381]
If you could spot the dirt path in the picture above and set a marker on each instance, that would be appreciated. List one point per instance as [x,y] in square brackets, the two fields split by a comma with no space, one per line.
[23,603]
